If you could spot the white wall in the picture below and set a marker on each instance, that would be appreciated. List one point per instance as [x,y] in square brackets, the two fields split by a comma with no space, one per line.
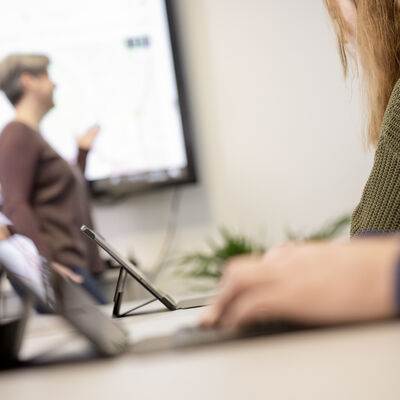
[277,131]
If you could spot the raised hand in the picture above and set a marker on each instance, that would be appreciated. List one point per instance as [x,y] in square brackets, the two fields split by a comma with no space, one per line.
[85,141]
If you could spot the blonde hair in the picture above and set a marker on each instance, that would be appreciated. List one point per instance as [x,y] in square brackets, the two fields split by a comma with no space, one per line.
[378,48]
[11,69]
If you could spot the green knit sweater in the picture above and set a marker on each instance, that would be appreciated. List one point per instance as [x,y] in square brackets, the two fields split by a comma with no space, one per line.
[379,207]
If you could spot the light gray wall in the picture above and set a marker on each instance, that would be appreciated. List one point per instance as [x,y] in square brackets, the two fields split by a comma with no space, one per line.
[277,131]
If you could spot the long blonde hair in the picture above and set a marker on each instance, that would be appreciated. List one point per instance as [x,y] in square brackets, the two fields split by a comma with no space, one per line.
[378,48]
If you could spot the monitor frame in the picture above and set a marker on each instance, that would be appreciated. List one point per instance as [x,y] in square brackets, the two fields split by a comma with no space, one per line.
[104,189]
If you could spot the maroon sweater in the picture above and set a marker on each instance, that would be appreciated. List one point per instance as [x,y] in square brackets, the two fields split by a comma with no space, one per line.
[46,198]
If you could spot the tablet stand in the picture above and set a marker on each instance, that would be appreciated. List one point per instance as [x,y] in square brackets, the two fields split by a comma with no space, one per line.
[119,291]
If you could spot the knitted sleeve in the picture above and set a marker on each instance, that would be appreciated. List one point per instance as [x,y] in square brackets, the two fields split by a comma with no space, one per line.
[379,207]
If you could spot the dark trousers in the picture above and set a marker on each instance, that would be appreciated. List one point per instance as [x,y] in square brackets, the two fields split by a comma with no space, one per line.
[90,284]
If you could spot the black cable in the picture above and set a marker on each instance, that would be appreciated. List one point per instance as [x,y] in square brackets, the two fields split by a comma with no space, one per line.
[170,232]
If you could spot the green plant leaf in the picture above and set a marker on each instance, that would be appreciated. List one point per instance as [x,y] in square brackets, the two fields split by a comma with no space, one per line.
[328,232]
[229,244]
[211,263]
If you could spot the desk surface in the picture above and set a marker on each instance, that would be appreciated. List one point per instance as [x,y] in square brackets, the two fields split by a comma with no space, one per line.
[360,362]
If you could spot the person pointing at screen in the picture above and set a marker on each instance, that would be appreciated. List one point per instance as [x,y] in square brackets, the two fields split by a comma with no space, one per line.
[44,196]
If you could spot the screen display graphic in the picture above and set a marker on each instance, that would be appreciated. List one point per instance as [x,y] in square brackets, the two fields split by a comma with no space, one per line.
[114,64]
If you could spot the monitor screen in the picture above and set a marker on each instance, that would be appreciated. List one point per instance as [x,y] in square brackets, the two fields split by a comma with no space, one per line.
[115,64]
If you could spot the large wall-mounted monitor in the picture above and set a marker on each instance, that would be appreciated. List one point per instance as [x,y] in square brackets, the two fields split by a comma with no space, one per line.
[115,63]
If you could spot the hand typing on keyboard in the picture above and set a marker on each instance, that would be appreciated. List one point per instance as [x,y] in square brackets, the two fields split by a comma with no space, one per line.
[324,283]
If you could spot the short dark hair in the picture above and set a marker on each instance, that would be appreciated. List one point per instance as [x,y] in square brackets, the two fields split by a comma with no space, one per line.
[11,69]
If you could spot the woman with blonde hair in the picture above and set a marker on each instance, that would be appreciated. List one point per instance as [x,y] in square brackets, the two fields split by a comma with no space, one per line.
[329,283]
[368,33]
